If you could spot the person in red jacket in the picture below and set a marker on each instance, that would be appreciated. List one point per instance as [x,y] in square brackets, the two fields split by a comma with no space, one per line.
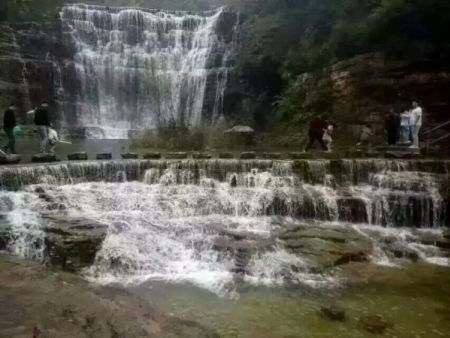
[317,127]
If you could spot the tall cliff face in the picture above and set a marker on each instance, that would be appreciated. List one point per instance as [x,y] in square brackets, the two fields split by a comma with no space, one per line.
[28,54]
[111,70]
[365,89]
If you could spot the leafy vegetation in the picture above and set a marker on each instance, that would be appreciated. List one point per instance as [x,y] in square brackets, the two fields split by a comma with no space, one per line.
[285,38]
[282,39]
[26,10]
[174,135]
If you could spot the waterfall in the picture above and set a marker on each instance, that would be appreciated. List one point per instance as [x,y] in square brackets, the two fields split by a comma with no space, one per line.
[136,68]
[208,222]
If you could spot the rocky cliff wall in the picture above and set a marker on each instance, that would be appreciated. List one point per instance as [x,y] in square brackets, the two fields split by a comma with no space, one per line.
[43,62]
[28,55]
[366,87]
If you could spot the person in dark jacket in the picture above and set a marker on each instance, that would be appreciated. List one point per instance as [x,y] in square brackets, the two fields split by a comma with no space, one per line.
[42,122]
[392,126]
[316,131]
[9,123]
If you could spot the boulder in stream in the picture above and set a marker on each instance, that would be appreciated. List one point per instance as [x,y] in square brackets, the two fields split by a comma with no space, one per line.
[201,156]
[176,156]
[44,158]
[272,156]
[81,156]
[226,155]
[104,156]
[324,246]
[130,156]
[9,159]
[72,243]
[5,234]
[152,156]
[333,312]
[251,155]
[54,304]
[375,324]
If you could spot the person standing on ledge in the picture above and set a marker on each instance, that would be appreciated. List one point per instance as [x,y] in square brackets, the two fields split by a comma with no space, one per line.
[416,124]
[9,123]
[392,125]
[405,129]
[42,122]
[316,132]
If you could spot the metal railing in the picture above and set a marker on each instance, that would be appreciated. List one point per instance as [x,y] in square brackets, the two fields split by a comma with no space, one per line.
[437,128]
[429,141]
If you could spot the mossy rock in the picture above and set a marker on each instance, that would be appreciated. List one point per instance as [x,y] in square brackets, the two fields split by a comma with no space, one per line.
[176,156]
[326,247]
[72,243]
[248,155]
[201,156]
[104,156]
[375,324]
[332,312]
[10,159]
[5,235]
[152,156]
[130,156]
[373,154]
[270,156]
[226,155]
[81,156]
[44,158]
[446,234]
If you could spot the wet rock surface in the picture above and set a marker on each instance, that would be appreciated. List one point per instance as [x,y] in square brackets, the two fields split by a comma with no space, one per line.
[332,312]
[326,247]
[270,156]
[10,159]
[241,246]
[104,156]
[5,233]
[152,156]
[375,324]
[201,156]
[82,156]
[226,155]
[72,243]
[59,305]
[44,158]
[248,155]
[176,156]
[130,156]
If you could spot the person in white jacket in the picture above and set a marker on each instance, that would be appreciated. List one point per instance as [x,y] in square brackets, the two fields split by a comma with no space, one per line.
[416,124]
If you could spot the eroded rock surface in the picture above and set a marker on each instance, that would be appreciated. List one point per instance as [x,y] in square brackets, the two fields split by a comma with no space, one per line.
[72,243]
[325,246]
[60,305]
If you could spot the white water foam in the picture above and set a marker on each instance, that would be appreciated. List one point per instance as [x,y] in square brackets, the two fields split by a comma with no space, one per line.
[136,68]
[167,227]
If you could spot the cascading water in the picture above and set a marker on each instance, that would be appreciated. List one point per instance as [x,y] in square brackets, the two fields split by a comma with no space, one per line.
[136,68]
[214,222]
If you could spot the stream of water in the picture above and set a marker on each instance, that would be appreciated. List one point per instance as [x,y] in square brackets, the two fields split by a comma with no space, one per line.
[253,248]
